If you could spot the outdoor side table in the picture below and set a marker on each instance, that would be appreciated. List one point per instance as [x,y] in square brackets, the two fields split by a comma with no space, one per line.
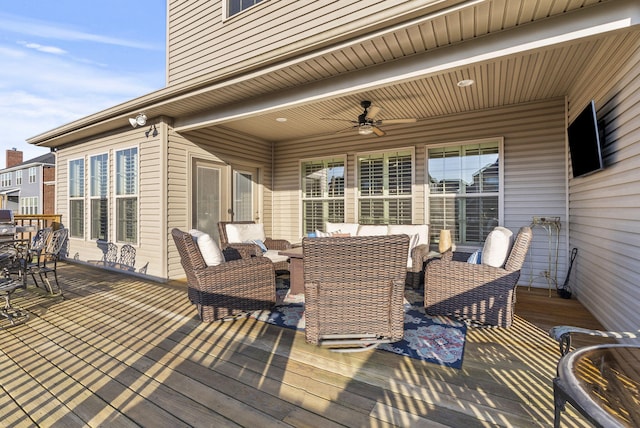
[602,382]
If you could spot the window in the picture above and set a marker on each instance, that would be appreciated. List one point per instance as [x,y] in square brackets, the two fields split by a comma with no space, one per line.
[76,198]
[322,193]
[127,195]
[18,177]
[33,172]
[98,186]
[385,188]
[464,190]
[5,179]
[237,6]
[29,205]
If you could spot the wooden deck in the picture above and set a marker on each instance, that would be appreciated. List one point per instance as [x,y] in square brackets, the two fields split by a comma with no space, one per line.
[120,351]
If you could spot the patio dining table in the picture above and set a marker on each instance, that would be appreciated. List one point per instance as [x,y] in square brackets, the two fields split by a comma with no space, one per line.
[12,277]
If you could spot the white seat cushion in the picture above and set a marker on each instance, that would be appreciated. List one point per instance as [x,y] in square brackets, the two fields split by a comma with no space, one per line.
[418,234]
[496,247]
[238,233]
[274,256]
[350,228]
[208,248]
[373,230]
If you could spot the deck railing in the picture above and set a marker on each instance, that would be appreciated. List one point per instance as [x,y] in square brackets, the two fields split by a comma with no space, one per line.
[37,221]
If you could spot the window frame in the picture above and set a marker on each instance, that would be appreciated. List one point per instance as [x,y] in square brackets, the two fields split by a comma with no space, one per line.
[28,202]
[33,174]
[324,198]
[386,153]
[77,199]
[5,179]
[226,8]
[118,197]
[100,197]
[434,232]
[19,177]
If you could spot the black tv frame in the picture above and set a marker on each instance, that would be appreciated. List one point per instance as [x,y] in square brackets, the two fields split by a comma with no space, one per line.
[583,135]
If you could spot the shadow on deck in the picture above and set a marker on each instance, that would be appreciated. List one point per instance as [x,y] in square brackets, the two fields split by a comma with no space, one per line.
[123,351]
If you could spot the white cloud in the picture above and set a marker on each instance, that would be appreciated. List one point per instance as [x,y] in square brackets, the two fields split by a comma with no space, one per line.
[40,92]
[46,49]
[37,28]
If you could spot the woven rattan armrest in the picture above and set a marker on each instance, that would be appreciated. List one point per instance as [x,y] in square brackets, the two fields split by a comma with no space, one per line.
[277,244]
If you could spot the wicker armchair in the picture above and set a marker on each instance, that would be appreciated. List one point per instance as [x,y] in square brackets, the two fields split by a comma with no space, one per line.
[476,292]
[275,245]
[229,289]
[354,290]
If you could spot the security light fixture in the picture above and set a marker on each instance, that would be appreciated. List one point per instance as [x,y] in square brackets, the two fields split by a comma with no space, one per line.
[139,120]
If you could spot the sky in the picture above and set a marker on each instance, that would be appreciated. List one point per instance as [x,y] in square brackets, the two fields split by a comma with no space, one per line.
[61,60]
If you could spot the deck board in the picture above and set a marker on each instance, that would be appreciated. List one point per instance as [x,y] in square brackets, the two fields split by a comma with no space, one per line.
[122,351]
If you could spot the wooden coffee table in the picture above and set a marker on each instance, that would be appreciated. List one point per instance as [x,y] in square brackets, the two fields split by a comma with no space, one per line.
[296,269]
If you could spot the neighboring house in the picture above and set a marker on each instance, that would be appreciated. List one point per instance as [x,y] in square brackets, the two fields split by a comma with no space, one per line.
[259,121]
[28,187]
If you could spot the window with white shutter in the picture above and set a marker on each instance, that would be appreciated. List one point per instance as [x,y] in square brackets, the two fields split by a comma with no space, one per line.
[464,190]
[385,182]
[323,183]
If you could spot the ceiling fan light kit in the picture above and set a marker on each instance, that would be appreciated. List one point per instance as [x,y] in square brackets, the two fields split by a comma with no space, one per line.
[365,129]
[367,123]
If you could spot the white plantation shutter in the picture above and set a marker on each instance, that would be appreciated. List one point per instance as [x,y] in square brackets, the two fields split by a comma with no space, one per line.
[464,189]
[322,193]
[384,188]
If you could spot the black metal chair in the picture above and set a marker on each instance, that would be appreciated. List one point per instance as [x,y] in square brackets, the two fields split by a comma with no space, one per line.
[47,262]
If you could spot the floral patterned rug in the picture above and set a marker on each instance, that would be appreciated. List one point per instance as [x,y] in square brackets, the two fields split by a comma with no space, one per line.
[438,340]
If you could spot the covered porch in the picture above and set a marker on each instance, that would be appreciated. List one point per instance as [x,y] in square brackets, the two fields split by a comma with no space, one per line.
[124,351]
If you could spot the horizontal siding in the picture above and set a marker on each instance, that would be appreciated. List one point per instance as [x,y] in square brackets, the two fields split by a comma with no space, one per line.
[150,198]
[201,41]
[217,146]
[603,207]
[534,167]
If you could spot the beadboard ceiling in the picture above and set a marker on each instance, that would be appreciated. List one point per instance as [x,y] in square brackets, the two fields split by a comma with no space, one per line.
[515,51]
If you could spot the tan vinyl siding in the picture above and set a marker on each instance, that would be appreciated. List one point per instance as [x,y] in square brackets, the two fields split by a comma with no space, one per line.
[217,146]
[534,168]
[200,41]
[150,197]
[604,207]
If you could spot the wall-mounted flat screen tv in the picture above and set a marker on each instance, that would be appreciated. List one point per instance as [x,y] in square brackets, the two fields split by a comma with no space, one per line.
[584,142]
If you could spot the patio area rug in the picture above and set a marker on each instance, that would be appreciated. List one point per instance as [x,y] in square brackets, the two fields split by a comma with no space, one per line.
[438,340]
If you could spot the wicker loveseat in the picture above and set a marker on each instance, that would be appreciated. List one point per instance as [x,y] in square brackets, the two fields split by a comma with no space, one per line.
[230,288]
[476,292]
[417,254]
[354,290]
[243,231]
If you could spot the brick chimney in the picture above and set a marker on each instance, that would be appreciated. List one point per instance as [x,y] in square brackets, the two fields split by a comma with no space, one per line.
[14,157]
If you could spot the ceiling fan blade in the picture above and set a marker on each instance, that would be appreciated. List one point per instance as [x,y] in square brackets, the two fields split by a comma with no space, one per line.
[379,132]
[372,112]
[394,121]
[341,120]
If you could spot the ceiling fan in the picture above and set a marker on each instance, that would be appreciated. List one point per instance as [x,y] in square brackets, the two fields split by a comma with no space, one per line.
[367,123]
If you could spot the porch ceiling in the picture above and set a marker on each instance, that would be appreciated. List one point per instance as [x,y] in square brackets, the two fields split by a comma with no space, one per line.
[515,51]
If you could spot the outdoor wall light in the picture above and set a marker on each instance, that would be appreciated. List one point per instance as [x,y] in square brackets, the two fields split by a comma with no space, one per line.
[139,120]
[152,130]
[365,129]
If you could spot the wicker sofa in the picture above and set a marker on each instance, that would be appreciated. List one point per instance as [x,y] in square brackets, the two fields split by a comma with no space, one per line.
[417,253]
[229,288]
[237,234]
[354,290]
[477,292]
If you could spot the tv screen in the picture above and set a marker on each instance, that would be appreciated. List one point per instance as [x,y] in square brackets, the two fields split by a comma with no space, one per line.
[584,142]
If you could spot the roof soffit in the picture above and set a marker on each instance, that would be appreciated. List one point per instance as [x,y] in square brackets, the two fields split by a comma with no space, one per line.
[380,59]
